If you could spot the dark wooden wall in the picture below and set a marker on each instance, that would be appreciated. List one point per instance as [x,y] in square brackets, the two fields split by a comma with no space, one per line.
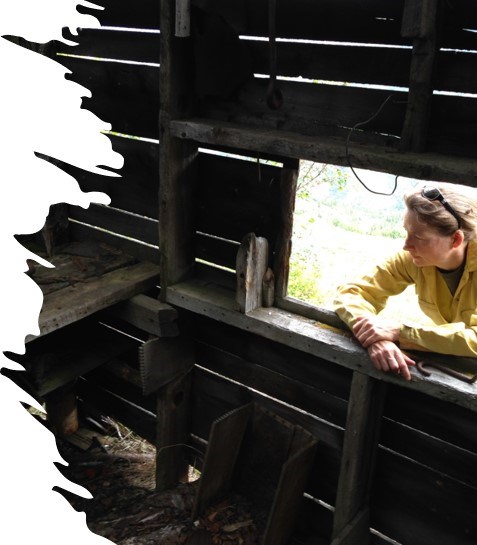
[425,487]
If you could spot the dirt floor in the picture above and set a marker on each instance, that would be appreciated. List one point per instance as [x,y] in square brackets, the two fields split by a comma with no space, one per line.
[118,468]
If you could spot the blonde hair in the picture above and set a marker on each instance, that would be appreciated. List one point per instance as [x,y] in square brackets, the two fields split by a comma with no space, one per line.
[462,199]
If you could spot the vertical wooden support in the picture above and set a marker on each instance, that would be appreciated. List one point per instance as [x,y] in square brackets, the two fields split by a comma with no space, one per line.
[177,157]
[182,18]
[351,517]
[420,22]
[62,410]
[172,433]
[281,261]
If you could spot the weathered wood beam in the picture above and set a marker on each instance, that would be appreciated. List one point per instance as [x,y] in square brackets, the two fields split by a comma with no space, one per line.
[311,337]
[425,166]
[148,314]
[360,445]
[283,245]
[177,158]
[172,433]
[252,262]
[71,304]
[420,20]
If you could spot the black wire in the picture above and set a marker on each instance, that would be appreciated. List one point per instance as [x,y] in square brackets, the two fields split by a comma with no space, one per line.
[361,123]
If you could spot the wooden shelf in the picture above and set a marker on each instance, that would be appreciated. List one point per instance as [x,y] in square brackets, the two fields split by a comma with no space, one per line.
[425,166]
[310,336]
[88,277]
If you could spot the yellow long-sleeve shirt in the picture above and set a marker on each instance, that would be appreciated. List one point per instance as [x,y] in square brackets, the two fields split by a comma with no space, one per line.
[454,316]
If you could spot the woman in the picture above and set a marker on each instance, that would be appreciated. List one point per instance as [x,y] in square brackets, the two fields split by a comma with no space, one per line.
[440,258]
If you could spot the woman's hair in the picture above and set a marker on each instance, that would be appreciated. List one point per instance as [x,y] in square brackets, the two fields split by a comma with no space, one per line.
[435,215]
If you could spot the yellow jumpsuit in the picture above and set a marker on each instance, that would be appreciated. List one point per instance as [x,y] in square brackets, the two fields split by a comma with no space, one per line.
[455,316]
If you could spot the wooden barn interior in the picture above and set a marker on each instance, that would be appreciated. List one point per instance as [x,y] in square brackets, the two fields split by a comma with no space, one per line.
[156,310]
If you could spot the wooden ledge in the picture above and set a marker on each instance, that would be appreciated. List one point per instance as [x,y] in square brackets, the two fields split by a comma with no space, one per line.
[426,166]
[68,305]
[310,336]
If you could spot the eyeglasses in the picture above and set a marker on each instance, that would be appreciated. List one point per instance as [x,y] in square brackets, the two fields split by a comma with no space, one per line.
[433,194]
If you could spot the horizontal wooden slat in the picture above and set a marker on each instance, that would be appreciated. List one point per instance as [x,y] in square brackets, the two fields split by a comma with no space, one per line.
[313,108]
[440,455]
[309,336]
[445,421]
[425,166]
[236,197]
[254,349]
[351,63]
[140,421]
[289,390]
[125,95]
[137,190]
[413,504]
[307,19]
[118,222]
[215,250]
[139,250]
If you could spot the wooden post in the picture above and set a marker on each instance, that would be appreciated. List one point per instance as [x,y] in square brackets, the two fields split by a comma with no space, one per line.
[283,243]
[252,263]
[182,18]
[351,520]
[62,410]
[420,22]
[172,433]
[177,168]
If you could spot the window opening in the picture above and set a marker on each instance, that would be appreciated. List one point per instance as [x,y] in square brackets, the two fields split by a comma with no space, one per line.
[341,230]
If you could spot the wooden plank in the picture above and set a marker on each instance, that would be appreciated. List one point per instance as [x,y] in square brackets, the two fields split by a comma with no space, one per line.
[438,454]
[148,314]
[164,360]
[305,396]
[214,396]
[172,433]
[74,303]
[305,19]
[351,63]
[403,489]
[256,350]
[125,95]
[359,451]
[62,410]
[118,221]
[216,250]
[177,160]
[286,503]
[314,108]
[135,248]
[223,449]
[310,337]
[437,418]
[425,166]
[283,244]
[252,262]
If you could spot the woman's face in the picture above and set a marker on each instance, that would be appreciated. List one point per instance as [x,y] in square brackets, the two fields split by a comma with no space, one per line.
[426,246]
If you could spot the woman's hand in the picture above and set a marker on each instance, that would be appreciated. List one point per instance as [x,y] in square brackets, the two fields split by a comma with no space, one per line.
[369,330]
[388,357]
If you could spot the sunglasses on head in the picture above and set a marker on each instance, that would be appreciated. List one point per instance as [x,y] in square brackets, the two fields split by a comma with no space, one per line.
[431,193]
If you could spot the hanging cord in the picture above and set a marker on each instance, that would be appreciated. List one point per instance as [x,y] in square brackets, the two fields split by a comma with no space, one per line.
[360,124]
